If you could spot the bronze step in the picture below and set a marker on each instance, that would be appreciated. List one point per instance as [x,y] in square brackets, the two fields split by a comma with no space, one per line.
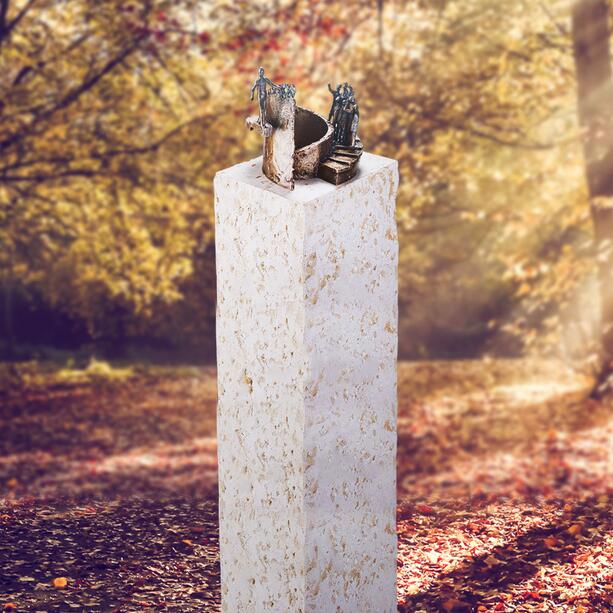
[341,165]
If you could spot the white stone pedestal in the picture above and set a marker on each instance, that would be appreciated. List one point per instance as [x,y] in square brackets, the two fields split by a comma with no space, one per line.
[306,422]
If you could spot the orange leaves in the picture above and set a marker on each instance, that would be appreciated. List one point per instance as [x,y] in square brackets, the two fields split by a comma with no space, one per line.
[453,605]
[330,27]
[551,542]
[60,583]
[575,529]
[531,595]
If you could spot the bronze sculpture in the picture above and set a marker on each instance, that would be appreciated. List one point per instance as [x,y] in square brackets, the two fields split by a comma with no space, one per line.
[342,164]
[336,99]
[298,143]
[345,115]
[261,84]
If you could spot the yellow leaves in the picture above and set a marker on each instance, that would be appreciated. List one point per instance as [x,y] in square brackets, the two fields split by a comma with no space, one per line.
[503,89]
[473,215]
[503,65]
[60,583]
[523,290]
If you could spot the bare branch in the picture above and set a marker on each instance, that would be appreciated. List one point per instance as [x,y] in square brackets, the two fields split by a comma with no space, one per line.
[6,27]
[71,97]
[4,9]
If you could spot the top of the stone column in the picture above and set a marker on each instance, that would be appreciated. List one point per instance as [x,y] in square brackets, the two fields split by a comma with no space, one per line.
[250,173]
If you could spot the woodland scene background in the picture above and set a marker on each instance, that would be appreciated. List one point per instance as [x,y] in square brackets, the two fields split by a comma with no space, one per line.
[114,118]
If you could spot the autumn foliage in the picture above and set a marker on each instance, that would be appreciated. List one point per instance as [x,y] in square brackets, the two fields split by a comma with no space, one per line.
[115,116]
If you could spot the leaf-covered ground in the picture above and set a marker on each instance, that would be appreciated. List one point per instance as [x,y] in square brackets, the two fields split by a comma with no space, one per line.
[505,483]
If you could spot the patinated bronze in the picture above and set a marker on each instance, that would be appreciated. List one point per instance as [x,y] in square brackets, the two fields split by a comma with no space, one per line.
[336,103]
[261,84]
[300,144]
[342,164]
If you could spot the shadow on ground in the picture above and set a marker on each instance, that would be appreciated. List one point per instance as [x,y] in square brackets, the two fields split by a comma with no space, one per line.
[504,492]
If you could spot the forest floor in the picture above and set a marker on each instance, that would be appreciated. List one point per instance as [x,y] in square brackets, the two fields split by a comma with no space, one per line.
[108,489]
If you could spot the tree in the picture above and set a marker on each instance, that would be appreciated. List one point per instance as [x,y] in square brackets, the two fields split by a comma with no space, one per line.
[116,116]
[475,101]
[110,136]
[592,55]
[79,166]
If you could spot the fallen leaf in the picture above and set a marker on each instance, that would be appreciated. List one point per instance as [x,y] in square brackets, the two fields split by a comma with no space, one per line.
[456,606]
[432,556]
[60,583]
[575,529]
[491,560]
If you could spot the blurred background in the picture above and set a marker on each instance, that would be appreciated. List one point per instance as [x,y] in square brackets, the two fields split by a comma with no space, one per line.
[114,118]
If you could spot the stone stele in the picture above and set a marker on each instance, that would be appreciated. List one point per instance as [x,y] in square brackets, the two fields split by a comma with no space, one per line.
[306,422]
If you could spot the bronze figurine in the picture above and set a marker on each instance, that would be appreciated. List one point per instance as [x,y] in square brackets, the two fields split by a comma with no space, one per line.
[347,149]
[300,144]
[261,84]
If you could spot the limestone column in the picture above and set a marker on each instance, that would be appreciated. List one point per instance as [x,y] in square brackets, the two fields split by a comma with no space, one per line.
[306,421]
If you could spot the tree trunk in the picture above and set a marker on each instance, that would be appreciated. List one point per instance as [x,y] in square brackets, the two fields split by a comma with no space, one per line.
[592,54]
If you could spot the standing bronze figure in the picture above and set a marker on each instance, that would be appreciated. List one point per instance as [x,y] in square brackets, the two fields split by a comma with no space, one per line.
[344,114]
[336,103]
[342,164]
[347,123]
[261,84]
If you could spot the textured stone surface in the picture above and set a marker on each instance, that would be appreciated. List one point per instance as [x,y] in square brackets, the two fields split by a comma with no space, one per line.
[278,164]
[307,344]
